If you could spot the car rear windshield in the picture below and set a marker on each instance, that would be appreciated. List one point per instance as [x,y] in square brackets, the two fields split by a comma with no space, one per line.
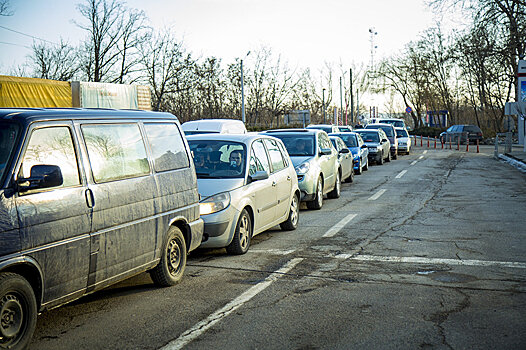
[401,133]
[388,129]
[218,159]
[370,136]
[395,123]
[298,144]
[8,136]
[199,132]
[349,140]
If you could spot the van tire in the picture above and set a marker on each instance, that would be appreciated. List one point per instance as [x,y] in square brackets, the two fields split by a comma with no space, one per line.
[294,215]
[18,311]
[241,240]
[170,269]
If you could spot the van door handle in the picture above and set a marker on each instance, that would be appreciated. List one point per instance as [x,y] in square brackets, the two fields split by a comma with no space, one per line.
[90,199]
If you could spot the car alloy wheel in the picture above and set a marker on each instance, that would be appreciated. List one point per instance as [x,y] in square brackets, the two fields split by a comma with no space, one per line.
[241,240]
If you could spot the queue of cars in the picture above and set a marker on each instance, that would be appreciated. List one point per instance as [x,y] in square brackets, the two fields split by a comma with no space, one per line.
[112,193]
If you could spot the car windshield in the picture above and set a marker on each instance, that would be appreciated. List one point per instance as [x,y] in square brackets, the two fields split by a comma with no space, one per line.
[217,159]
[401,133]
[370,136]
[327,129]
[298,145]
[349,140]
[8,136]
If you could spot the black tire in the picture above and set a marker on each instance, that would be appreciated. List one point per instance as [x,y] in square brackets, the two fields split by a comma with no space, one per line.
[360,169]
[350,179]
[381,160]
[294,215]
[388,159]
[396,155]
[18,311]
[335,193]
[170,269]
[241,240]
[317,202]
[366,166]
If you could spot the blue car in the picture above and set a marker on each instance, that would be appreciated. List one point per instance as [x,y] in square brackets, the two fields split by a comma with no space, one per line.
[358,148]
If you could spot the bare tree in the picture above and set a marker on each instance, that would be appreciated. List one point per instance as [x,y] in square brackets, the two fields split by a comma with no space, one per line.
[5,8]
[57,62]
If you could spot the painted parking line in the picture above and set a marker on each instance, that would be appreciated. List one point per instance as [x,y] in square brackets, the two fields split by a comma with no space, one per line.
[336,228]
[414,162]
[420,260]
[400,174]
[421,157]
[202,326]
[424,152]
[376,195]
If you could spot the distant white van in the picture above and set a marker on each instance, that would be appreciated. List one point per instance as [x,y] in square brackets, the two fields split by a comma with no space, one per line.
[214,126]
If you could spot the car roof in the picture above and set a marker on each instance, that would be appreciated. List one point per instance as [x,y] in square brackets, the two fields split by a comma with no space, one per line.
[244,138]
[379,124]
[343,133]
[28,115]
[292,131]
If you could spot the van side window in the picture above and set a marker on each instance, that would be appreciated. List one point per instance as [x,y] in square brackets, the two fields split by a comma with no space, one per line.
[52,146]
[276,158]
[258,158]
[167,146]
[115,151]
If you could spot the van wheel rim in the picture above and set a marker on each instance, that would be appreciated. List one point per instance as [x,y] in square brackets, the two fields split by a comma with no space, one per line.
[244,232]
[11,317]
[174,257]
[294,211]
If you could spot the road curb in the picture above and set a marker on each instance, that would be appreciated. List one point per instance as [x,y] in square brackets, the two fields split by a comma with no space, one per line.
[513,162]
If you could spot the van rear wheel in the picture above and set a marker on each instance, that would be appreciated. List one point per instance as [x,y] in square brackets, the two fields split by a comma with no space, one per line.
[18,311]
[173,260]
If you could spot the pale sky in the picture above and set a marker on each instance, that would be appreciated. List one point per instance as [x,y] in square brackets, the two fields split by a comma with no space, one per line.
[306,33]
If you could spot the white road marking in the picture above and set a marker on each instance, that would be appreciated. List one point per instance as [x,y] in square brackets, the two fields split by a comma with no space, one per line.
[272,251]
[343,256]
[400,174]
[414,162]
[424,152]
[420,260]
[376,195]
[421,157]
[217,316]
[336,228]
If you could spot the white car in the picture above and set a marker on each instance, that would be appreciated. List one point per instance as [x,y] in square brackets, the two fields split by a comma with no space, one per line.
[214,126]
[247,185]
[404,141]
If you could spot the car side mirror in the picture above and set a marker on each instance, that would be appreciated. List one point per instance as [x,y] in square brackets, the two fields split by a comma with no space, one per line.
[344,150]
[42,176]
[258,175]
[325,151]
[364,146]
[385,140]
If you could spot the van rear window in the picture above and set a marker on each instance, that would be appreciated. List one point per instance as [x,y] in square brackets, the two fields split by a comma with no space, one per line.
[167,146]
[115,151]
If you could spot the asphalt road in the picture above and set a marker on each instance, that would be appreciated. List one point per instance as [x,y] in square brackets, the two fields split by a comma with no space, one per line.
[425,252]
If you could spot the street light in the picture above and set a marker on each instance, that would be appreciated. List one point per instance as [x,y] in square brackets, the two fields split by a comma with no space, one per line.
[243,92]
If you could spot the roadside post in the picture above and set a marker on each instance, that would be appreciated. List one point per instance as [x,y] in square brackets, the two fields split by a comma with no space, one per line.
[477,145]
[421,142]
[467,142]
[435,142]
[427,141]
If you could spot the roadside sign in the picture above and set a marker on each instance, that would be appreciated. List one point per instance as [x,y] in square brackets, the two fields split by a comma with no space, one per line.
[408,110]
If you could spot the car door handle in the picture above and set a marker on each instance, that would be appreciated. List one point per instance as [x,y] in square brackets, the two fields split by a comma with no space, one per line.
[288,178]
[90,199]
[273,183]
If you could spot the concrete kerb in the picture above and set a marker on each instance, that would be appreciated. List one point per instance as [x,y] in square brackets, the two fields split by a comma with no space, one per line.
[517,163]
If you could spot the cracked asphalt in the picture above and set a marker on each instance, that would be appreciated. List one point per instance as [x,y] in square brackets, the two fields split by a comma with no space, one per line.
[421,267]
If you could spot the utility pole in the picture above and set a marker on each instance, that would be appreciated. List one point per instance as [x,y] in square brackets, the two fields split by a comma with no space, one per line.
[243,92]
[352,100]
[341,103]
[323,104]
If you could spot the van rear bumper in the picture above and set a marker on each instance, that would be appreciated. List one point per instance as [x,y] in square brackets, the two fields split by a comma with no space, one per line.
[197,228]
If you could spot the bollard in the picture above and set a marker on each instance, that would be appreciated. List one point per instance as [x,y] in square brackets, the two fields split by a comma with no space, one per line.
[467,145]
[435,142]
[477,145]
[458,144]
[442,142]
[450,143]
[421,144]
[428,142]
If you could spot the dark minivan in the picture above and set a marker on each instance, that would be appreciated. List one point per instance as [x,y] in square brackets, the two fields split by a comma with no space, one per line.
[89,197]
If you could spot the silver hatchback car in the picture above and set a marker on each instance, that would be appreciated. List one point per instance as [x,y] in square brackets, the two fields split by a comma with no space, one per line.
[316,163]
[247,185]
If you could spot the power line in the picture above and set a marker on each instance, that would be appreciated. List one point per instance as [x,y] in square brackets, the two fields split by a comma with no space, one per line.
[6,43]
[30,36]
